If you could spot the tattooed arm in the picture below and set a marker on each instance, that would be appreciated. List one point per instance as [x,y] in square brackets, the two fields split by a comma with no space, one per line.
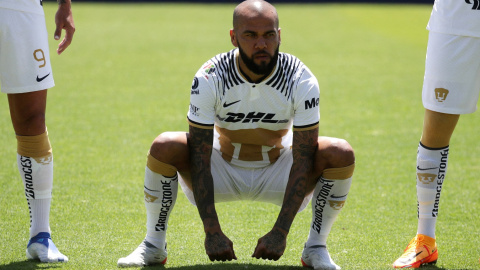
[272,245]
[64,20]
[217,245]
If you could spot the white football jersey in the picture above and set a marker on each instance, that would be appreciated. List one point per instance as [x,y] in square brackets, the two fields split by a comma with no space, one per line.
[456,17]
[33,6]
[253,121]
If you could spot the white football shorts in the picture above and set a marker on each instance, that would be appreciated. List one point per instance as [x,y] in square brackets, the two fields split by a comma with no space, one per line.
[232,183]
[452,74]
[24,52]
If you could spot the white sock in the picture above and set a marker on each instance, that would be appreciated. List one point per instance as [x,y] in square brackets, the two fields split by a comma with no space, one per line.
[431,171]
[37,177]
[160,197]
[328,199]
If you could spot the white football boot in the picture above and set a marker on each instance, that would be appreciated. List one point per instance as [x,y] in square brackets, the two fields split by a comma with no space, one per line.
[144,254]
[318,258]
[41,247]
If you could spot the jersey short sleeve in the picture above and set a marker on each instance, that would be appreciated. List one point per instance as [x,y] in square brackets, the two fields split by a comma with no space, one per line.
[306,103]
[201,113]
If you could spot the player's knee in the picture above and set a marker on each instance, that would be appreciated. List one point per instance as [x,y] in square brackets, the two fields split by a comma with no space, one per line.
[167,145]
[349,154]
[30,126]
[336,153]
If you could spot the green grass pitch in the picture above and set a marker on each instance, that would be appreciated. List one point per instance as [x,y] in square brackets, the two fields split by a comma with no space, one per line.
[126,78]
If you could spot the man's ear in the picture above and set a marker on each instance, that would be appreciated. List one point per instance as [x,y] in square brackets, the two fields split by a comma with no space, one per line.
[233,39]
[279,36]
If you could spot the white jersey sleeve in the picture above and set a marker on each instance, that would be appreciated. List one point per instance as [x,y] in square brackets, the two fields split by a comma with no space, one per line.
[203,98]
[306,102]
[456,17]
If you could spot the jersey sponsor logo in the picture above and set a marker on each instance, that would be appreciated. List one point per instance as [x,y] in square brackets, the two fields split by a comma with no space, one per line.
[251,117]
[309,104]
[225,105]
[440,177]
[39,79]
[475,3]
[441,94]
[195,90]
[194,109]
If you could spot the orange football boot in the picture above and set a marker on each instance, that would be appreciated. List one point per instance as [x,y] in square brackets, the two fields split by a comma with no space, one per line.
[421,250]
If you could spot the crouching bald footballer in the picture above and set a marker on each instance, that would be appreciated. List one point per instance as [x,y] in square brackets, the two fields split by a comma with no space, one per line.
[253,135]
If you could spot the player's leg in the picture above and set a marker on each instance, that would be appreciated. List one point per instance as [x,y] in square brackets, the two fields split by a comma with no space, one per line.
[333,169]
[450,88]
[35,164]
[168,154]
[24,70]
[432,160]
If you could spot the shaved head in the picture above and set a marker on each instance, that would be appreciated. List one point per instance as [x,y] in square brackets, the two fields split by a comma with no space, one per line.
[250,9]
[257,35]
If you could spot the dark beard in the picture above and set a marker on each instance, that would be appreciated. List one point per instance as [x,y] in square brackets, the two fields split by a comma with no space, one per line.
[262,69]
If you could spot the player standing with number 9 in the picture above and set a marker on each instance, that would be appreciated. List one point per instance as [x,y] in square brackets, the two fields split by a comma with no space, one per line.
[25,75]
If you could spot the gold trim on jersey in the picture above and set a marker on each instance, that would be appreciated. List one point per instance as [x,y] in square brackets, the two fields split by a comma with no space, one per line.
[193,124]
[306,128]
[249,144]
[339,173]
[159,167]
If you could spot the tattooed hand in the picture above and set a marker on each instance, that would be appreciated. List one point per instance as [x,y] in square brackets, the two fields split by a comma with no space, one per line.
[272,245]
[219,247]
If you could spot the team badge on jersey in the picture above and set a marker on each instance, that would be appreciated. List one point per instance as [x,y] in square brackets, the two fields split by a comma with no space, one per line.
[209,68]
[441,94]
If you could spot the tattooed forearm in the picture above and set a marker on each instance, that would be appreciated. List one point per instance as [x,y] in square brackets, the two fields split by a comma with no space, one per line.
[200,147]
[303,150]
